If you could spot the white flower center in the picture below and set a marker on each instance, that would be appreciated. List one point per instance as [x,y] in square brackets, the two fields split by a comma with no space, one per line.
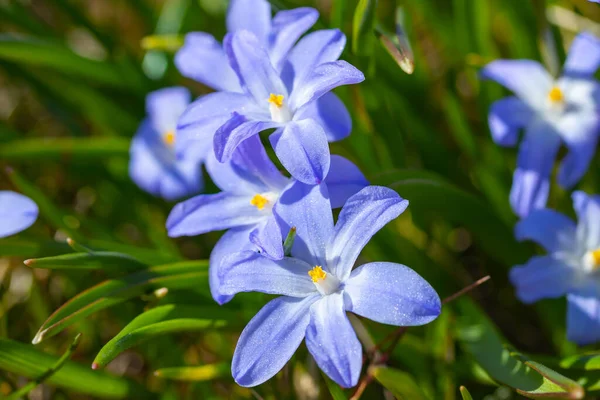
[279,109]
[264,201]
[325,283]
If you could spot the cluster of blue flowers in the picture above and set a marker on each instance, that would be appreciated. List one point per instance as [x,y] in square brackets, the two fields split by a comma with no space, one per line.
[268,75]
[553,112]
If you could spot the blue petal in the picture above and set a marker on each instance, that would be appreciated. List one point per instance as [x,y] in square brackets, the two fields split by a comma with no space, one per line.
[203,59]
[363,215]
[332,341]
[251,156]
[17,213]
[267,237]
[302,148]
[232,241]
[165,106]
[541,278]
[270,339]
[330,113]
[250,15]
[288,26]
[531,180]
[251,63]
[237,129]
[579,131]
[233,178]
[588,214]
[550,229]
[213,212]
[319,47]
[204,116]
[583,318]
[322,79]
[154,168]
[250,271]
[584,56]
[507,117]
[403,297]
[343,181]
[526,78]
[306,208]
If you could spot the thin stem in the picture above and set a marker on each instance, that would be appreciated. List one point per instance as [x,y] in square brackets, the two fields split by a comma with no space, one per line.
[51,371]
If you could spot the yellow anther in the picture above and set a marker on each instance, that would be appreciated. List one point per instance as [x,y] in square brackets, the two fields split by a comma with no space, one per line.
[276,100]
[317,274]
[596,257]
[556,95]
[169,138]
[259,201]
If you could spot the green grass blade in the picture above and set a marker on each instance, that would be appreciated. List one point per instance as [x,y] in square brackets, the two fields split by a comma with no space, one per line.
[465,393]
[46,375]
[103,260]
[25,360]
[479,337]
[162,320]
[190,274]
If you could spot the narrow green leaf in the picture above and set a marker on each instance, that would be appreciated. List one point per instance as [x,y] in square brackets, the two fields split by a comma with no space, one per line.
[479,337]
[26,360]
[363,30]
[586,362]
[401,384]
[32,51]
[46,375]
[200,373]
[76,149]
[111,292]
[162,320]
[465,393]
[104,260]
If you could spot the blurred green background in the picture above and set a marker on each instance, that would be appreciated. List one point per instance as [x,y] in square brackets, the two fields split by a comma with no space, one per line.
[73,78]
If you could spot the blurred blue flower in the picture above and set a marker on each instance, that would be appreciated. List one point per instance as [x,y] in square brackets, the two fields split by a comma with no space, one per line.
[551,112]
[252,189]
[153,164]
[17,213]
[318,286]
[572,266]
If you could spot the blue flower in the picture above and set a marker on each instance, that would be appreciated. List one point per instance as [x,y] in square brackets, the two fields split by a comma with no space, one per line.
[318,286]
[17,213]
[293,97]
[551,112]
[571,267]
[248,205]
[203,58]
[153,164]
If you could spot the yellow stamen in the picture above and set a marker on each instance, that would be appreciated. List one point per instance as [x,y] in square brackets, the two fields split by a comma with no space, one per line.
[317,274]
[169,138]
[276,100]
[259,201]
[596,257]
[556,95]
